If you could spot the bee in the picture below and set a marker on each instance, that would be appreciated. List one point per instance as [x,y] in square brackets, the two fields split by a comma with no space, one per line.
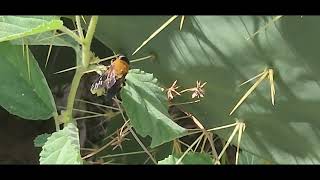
[111,81]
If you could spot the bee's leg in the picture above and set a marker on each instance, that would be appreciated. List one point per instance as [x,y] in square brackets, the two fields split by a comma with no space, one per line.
[111,92]
[123,81]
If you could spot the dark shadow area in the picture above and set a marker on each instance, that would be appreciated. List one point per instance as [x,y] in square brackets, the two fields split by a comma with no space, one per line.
[16,138]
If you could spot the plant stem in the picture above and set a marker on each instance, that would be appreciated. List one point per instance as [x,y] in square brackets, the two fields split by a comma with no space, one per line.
[135,135]
[71,33]
[79,27]
[87,41]
[56,121]
[189,148]
[183,103]
[72,95]
[123,154]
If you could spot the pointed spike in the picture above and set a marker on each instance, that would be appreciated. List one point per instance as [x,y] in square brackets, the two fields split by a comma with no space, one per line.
[49,51]
[241,130]
[264,27]
[249,92]
[181,22]
[255,77]
[65,70]
[155,33]
[28,61]
[272,88]
[229,141]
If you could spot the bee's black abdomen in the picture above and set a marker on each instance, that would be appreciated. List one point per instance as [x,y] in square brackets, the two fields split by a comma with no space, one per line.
[114,90]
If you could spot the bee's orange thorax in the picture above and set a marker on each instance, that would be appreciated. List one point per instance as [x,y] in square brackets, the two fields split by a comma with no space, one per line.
[121,68]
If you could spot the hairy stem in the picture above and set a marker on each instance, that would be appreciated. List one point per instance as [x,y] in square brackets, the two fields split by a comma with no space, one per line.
[72,95]
[56,121]
[79,27]
[71,34]
[87,41]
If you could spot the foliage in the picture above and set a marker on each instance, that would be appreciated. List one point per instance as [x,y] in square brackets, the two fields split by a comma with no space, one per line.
[203,58]
[147,108]
[62,147]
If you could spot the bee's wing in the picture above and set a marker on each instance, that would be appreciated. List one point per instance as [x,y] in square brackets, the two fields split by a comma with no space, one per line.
[111,79]
[98,83]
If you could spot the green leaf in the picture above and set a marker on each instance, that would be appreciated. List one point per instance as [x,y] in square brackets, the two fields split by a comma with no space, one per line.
[14,27]
[47,38]
[215,49]
[190,158]
[248,158]
[62,147]
[146,106]
[21,96]
[41,139]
